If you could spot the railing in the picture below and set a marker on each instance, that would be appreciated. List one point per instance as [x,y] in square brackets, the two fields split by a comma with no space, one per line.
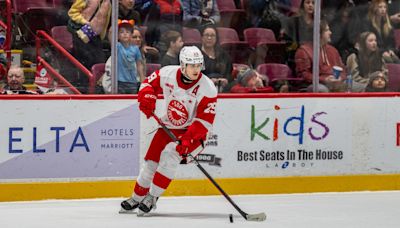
[40,34]
[57,75]
[7,27]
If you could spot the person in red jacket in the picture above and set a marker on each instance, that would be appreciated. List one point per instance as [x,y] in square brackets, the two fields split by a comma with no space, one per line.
[329,58]
[190,100]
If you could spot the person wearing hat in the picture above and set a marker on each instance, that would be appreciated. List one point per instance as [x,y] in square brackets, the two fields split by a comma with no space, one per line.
[377,82]
[130,62]
[250,81]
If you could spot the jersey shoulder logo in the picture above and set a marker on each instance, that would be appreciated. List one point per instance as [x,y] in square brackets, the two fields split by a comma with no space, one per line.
[177,113]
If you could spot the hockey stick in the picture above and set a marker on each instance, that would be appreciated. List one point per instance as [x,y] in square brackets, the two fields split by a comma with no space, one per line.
[249,217]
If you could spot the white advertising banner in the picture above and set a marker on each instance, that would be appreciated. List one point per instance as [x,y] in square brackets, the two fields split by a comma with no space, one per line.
[69,139]
[264,137]
[252,137]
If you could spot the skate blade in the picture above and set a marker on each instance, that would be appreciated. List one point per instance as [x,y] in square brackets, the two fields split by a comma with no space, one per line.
[141,213]
[123,211]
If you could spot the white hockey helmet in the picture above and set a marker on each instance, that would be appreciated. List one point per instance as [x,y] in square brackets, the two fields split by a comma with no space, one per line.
[190,55]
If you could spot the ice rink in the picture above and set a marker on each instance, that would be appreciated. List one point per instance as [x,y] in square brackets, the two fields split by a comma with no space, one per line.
[352,210]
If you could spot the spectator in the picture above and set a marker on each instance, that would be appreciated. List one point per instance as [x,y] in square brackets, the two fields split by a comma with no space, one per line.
[130,65]
[339,26]
[250,81]
[331,8]
[15,80]
[165,15]
[377,82]
[88,24]
[380,24]
[218,65]
[143,7]
[174,41]
[298,30]
[127,12]
[394,12]
[268,14]
[357,23]
[199,13]
[365,61]
[377,21]
[329,57]
[149,53]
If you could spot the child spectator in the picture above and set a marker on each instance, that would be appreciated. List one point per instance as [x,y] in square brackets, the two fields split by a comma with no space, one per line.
[174,41]
[250,81]
[130,64]
[377,82]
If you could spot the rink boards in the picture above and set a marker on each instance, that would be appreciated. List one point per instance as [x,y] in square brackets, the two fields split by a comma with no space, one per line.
[92,146]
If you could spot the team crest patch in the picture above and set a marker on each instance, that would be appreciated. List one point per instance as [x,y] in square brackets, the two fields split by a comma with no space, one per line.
[177,113]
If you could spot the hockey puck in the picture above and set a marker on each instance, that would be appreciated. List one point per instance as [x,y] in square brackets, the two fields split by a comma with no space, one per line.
[231,218]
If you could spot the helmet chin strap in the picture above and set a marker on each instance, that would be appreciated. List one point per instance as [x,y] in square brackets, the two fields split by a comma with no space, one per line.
[185,78]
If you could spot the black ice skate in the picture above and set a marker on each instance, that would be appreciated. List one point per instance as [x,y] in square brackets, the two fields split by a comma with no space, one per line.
[147,204]
[127,206]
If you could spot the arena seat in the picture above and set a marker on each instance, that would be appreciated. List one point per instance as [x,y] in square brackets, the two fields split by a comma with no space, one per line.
[191,36]
[264,39]
[22,6]
[62,36]
[226,34]
[231,17]
[229,40]
[33,15]
[393,77]
[397,38]
[257,36]
[277,71]
[98,70]
[226,4]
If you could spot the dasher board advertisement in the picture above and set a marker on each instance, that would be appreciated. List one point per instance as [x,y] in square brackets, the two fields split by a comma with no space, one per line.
[45,140]
[310,136]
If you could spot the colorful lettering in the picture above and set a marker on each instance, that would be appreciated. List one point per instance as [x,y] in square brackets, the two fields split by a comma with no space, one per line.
[293,126]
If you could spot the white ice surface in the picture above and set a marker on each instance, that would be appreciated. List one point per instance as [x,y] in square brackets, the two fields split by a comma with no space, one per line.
[336,210]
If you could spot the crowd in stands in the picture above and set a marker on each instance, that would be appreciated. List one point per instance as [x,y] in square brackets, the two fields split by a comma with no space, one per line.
[359,37]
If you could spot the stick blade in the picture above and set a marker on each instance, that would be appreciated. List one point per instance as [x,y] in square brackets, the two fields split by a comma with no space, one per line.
[256,217]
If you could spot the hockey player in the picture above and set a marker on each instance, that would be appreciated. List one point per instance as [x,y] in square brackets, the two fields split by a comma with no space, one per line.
[190,102]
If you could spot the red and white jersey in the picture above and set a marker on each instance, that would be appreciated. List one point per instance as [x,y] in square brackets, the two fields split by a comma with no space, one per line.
[184,103]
